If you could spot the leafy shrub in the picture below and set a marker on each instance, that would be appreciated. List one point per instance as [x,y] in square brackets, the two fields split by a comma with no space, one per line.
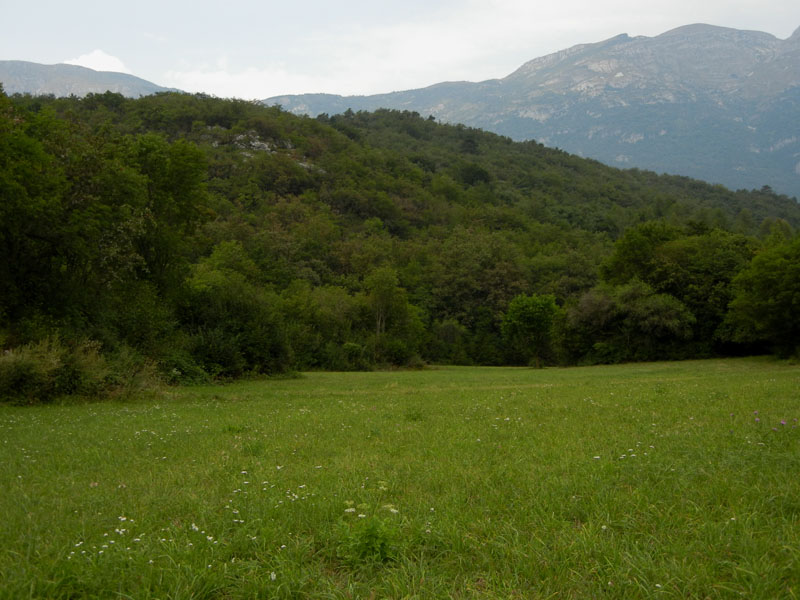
[219,352]
[392,350]
[45,370]
[349,356]
[49,369]
[367,541]
[130,373]
[178,367]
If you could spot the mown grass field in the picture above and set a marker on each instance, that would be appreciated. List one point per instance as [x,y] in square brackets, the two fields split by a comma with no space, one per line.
[666,480]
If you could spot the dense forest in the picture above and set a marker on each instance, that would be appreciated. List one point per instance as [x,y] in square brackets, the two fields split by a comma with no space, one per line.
[200,238]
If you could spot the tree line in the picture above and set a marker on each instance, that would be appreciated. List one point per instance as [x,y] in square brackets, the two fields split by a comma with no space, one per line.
[204,238]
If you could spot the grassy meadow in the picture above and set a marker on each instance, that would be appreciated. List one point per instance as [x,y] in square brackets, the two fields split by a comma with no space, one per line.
[662,480]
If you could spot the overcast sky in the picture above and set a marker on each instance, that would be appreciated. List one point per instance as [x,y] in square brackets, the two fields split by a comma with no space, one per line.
[257,49]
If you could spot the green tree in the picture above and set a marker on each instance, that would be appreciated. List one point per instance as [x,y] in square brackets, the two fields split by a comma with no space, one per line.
[634,252]
[384,295]
[528,327]
[766,304]
[698,271]
[628,322]
[234,324]
[175,203]
[32,185]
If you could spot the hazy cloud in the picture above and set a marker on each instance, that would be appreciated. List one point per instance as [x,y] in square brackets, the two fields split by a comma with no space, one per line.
[251,83]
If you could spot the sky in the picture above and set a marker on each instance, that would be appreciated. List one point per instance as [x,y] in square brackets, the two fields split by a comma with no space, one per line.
[258,49]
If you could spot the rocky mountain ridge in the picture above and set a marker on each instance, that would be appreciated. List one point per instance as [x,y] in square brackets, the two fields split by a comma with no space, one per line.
[709,102]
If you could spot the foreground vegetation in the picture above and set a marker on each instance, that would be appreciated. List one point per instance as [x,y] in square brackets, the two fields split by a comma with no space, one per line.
[669,480]
[204,238]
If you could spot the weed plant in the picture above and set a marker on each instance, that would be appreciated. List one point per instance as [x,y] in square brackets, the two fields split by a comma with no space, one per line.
[664,480]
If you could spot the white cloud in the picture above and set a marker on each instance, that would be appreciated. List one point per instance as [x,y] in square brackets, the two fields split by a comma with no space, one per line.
[99,61]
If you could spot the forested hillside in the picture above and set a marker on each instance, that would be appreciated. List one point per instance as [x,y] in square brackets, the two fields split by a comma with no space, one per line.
[220,238]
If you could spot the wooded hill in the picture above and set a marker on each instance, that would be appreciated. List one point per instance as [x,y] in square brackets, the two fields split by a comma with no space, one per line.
[218,238]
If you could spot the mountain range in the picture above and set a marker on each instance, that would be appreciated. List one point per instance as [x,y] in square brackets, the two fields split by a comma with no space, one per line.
[713,103]
[23,77]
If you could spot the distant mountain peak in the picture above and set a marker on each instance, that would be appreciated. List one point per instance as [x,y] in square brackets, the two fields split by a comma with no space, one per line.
[23,77]
[696,29]
[701,30]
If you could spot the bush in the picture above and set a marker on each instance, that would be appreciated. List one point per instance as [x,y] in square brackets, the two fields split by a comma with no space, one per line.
[179,368]
[130,373]
[367,541]
[49,369]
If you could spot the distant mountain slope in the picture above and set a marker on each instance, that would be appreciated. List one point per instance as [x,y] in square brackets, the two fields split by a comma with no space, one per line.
[709,102]
[21,77]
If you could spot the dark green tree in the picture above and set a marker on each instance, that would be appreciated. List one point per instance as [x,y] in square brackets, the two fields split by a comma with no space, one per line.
[634,253]
[528,328]
[766,304]
[612,324]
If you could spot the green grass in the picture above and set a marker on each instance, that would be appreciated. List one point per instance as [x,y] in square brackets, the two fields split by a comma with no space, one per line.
[635,481]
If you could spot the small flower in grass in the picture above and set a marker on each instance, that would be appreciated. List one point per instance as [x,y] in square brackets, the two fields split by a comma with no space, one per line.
[350,510]
[758,420]
[362,516]
[273,576]
[783,421]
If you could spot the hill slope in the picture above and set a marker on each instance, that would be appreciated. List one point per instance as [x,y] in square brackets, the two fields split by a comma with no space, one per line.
[220,237]
[708,102]
[22,77]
